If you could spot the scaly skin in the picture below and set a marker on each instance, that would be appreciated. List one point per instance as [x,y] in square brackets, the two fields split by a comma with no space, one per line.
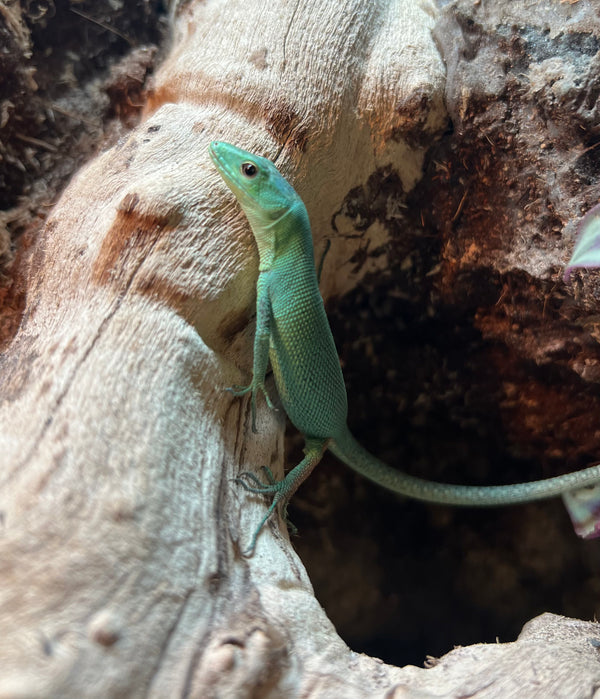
[293,332]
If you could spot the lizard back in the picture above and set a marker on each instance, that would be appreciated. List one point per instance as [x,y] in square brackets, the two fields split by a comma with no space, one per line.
[302,351]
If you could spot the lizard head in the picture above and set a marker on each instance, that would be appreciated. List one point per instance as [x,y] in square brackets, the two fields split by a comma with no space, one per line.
[262,191]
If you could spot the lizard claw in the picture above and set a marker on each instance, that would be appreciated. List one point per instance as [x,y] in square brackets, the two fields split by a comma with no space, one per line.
[258,487]
[269,474]
[239,391]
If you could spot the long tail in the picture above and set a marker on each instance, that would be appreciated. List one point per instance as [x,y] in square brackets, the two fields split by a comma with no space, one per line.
[351,453]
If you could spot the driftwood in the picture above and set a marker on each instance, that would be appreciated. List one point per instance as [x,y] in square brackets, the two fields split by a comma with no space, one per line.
[121,571]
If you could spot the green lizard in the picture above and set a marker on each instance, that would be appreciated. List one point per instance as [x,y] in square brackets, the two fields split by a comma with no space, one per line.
[293,332]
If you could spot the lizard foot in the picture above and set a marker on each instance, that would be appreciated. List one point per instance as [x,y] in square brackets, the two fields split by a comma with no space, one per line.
[251,483]
[259,486]
[253,388]
[281,490]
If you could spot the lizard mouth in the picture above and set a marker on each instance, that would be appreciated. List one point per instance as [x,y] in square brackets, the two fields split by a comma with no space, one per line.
[216,155]
[228,167]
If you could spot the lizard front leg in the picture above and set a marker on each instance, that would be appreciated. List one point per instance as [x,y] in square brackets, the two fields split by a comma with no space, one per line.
[261,349]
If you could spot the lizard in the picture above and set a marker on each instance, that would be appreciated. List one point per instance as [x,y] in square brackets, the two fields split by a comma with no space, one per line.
[293,333]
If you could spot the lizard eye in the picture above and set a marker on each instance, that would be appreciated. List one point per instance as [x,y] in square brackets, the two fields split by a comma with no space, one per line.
[249,170]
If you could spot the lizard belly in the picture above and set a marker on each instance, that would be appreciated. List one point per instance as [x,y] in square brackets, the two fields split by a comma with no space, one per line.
[306,366]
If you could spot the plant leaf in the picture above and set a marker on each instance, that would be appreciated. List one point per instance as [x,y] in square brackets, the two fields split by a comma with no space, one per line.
[583,507]
[587,248]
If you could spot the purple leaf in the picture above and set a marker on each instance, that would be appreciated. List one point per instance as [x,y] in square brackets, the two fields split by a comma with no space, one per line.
[587,248]
[583,507]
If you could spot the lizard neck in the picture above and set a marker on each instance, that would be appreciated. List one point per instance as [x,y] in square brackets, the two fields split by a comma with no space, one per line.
[288,239]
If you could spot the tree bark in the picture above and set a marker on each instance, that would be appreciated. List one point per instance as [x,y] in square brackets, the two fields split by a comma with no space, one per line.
[122,527]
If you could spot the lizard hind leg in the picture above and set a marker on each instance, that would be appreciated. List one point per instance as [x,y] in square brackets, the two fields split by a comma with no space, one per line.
[282,490]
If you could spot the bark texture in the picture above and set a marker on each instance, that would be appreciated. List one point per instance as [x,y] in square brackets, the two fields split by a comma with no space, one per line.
[121,526]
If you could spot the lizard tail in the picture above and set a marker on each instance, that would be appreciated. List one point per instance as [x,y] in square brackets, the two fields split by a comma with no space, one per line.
[346,448]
